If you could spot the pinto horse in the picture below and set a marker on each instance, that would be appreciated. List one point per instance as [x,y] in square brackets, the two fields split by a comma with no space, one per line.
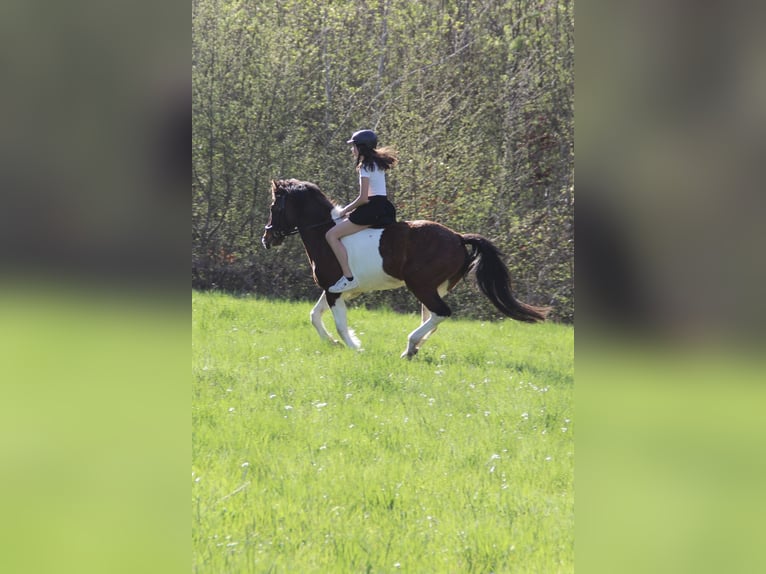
[429,258]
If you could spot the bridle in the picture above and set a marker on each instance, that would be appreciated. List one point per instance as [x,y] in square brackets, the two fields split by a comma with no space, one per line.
[278,230]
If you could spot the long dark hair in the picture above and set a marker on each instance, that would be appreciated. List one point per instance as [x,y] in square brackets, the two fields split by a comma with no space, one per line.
[371,158]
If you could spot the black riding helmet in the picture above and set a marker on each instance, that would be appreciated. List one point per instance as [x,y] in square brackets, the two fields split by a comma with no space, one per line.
[364,137]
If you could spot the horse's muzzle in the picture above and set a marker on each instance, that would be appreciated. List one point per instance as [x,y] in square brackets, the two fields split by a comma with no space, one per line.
[270,238]
[267,238]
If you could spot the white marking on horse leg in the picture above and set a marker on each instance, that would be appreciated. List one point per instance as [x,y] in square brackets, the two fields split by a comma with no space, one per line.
[339,314]
[418,335]
[425,314]
[316,318]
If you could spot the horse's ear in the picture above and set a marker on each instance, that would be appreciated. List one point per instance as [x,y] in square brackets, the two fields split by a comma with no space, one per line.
[277,187]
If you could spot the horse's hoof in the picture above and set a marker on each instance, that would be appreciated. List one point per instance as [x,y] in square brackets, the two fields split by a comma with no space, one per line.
[408,355]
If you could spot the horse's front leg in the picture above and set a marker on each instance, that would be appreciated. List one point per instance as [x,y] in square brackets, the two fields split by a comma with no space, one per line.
[316,319]
[338,308]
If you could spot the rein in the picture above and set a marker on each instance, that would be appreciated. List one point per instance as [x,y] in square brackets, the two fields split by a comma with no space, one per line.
[279,233]
[296,229]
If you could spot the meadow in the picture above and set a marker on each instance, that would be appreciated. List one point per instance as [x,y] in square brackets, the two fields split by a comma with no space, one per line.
[308,457]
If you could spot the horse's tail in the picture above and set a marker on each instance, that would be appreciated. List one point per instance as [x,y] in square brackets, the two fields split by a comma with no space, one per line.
[494,280]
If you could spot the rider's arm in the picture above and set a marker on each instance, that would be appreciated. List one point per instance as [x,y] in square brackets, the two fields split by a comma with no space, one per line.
[362,199]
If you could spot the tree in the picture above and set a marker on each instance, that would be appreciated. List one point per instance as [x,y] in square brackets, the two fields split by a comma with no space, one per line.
[476,96]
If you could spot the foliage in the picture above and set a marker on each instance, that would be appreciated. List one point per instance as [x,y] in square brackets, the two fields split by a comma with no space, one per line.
[476,96]
[313,458]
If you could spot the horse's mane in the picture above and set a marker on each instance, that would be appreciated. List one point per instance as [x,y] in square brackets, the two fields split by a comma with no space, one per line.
[304,189]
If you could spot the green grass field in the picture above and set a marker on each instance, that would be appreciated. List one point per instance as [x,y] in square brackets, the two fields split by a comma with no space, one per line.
[308,457]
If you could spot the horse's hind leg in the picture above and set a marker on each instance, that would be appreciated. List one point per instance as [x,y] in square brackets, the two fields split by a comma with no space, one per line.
[425,315]
[316,319]
[433,311]
[419,335]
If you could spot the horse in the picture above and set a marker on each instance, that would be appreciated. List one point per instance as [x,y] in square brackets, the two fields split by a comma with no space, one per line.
[426,257]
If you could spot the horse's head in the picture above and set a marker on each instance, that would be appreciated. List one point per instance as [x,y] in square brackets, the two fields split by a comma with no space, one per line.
[282,221]
[294,204]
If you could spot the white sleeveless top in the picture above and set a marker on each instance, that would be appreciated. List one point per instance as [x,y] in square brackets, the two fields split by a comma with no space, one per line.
[377,179]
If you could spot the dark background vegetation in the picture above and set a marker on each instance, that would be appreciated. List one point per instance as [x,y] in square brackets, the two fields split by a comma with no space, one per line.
[477,96]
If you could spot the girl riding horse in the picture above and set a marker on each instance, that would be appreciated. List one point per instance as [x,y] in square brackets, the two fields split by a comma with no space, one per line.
[372,207]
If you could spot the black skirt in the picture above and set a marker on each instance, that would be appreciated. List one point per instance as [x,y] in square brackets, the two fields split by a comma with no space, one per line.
[377,212]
